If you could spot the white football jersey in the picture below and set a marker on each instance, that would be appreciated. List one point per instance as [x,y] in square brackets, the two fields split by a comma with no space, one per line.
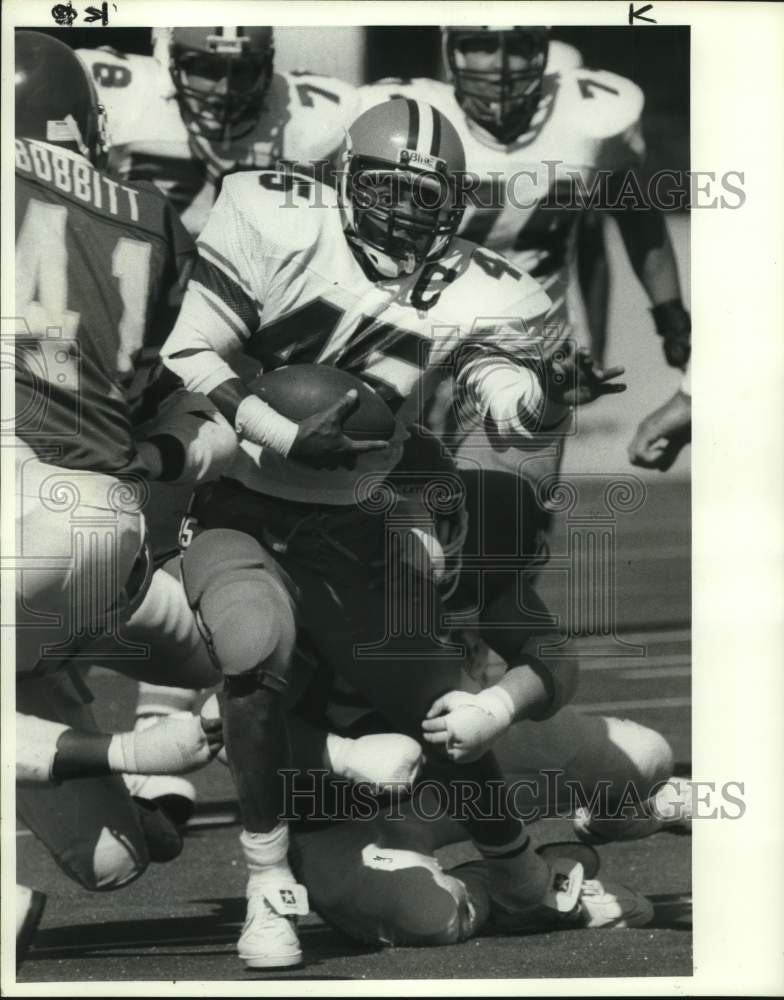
[304,120]
[277,283]
[586,121]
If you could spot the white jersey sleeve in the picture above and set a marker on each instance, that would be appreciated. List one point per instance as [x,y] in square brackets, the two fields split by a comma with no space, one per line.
[225,296]
[498,367]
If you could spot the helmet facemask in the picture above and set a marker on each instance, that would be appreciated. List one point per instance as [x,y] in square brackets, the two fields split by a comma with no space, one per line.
[221,92]
[399,219]
[498,76]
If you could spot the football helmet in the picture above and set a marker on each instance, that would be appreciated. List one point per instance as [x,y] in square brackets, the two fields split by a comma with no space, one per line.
[497,73]
[220,76]
[427,477]
[399,186]
[55,98]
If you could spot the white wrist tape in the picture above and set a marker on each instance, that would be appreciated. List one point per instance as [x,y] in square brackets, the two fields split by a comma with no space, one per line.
[498,702]
[36,748]
[163,748]
[259,423]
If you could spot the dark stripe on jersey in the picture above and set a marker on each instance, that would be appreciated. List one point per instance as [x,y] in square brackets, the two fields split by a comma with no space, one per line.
[228,291]
[413,124]
[434,145]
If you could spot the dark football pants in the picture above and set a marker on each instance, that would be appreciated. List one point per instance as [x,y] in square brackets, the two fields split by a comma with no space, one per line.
[379,629]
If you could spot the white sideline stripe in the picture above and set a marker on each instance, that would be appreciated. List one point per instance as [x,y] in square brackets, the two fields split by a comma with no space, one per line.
[639,663]
[654,673]
[615,706]
[654,634]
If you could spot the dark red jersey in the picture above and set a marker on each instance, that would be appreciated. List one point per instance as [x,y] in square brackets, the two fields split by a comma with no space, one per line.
[100,268]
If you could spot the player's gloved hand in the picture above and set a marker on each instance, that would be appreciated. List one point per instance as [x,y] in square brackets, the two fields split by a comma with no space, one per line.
[467,725]
[573,378]
[176,744]
[387,761]
[673,325]
[322,443]
[662,434]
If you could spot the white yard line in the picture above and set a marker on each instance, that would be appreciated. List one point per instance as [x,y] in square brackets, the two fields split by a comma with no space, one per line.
[622,706]
[638,663]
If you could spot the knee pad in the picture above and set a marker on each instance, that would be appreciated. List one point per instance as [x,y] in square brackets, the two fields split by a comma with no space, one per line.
[648,752]
[620,751]
[111,863]
[243,609]
[418,903]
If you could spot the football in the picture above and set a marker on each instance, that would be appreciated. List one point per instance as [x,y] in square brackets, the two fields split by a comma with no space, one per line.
[300,391]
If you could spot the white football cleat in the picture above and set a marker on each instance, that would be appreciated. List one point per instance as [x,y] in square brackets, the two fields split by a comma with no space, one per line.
[29,910]
[269,936]
[669,809]
[572,901]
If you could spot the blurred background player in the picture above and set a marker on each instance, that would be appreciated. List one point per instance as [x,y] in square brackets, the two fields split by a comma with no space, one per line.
[98,269]
[209,103]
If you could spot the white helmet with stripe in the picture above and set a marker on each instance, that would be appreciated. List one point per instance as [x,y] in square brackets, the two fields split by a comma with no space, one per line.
[400,187]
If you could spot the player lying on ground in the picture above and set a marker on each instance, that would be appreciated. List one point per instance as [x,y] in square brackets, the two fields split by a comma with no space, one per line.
[378,878]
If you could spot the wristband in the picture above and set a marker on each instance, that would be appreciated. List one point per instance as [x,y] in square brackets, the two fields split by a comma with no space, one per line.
[671,319]
[260,423]
[497,702]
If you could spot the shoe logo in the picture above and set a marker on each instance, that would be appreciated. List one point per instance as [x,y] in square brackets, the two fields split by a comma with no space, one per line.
[380,857]
[287,897]
[561,882]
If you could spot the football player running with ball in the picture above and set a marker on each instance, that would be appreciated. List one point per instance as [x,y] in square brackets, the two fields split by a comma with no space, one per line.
[371,280]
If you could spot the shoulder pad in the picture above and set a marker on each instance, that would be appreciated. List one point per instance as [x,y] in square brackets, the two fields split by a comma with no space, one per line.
[489,286]
[562,57]
[260,195]
[604,104]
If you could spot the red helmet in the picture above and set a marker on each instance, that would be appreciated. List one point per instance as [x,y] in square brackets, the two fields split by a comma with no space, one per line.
[399,186]
[55,97]
[498,75]
[220,76]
